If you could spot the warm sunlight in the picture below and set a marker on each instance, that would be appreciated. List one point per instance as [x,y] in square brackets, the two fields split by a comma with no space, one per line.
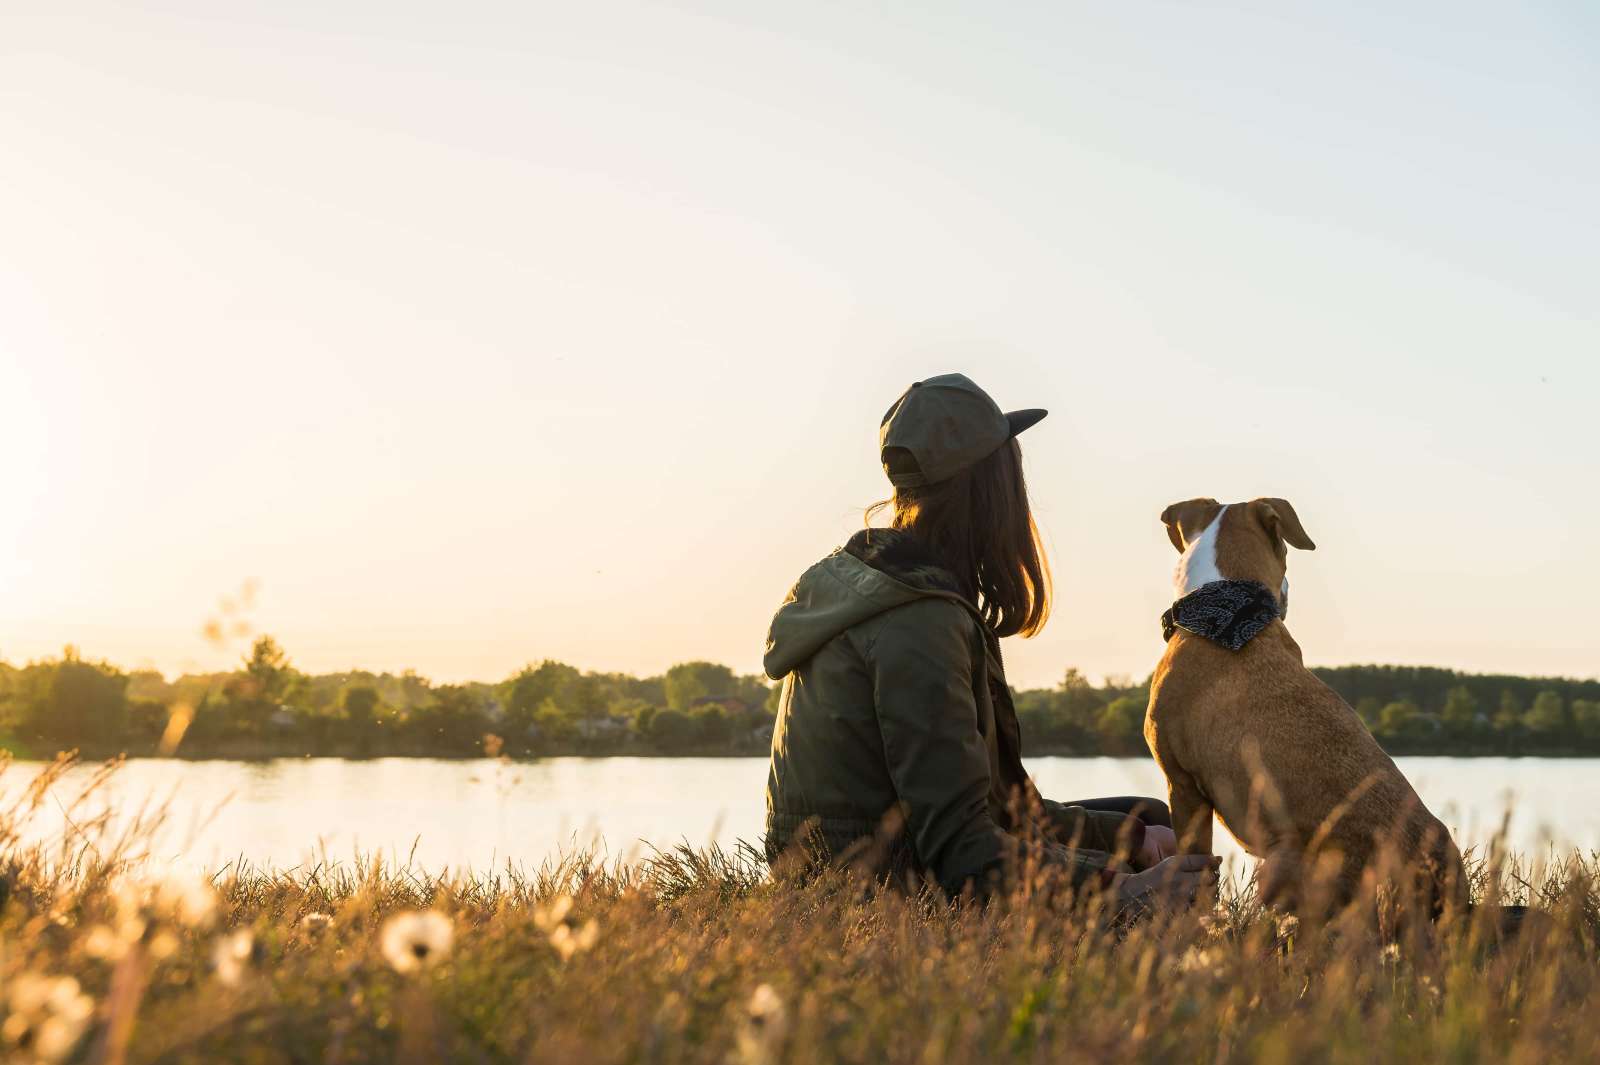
[439,619]
[452,386]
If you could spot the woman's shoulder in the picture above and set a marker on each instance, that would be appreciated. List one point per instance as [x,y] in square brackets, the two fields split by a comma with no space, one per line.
[928,623]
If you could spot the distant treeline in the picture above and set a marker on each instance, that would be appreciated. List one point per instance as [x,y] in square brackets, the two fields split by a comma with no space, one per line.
[267,708]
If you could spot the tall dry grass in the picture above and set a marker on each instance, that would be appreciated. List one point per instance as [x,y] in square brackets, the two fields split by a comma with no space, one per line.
[699,956]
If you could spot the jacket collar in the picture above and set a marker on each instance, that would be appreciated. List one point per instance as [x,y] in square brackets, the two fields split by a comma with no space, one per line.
[1230,613]
[902,556]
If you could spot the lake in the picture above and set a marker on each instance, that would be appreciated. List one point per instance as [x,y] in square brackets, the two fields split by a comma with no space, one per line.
[481,814]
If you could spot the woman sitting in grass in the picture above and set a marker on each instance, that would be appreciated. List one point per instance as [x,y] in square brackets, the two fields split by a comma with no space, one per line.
[897,746]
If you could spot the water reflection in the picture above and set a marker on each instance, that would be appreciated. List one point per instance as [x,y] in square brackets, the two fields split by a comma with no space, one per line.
[483,813]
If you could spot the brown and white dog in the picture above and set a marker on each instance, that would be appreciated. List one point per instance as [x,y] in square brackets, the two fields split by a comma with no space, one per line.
[1255,737]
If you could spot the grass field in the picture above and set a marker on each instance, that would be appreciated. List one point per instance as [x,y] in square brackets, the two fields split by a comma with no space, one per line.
[701,957]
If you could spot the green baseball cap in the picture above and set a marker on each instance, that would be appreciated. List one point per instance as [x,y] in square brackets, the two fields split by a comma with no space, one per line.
[946,424]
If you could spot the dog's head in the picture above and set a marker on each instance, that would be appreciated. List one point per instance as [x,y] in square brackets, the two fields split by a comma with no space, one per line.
[1237,541]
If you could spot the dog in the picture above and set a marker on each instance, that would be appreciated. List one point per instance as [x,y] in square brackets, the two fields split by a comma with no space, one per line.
[1241,728]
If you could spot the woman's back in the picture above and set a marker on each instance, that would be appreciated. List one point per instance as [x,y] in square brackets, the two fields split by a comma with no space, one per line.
[876,619]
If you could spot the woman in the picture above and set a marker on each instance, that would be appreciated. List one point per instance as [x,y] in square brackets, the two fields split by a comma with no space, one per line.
[897,742]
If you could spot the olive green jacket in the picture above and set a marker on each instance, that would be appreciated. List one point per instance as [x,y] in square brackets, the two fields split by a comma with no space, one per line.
[897,742]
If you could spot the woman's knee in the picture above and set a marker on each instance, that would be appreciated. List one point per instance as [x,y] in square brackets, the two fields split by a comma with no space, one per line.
[1152,812]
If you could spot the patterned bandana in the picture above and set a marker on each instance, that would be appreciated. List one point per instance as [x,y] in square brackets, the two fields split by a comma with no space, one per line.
[1231,613]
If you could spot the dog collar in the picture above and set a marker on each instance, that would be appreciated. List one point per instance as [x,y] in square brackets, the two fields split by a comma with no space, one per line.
[1231,613]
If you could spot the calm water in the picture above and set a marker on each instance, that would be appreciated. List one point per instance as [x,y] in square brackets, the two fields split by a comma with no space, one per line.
[481,814]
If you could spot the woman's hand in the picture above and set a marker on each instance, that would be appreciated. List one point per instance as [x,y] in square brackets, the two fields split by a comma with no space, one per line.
[1160,843]
[1175,881]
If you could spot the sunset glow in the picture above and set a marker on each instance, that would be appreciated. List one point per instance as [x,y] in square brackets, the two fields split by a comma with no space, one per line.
[564,330]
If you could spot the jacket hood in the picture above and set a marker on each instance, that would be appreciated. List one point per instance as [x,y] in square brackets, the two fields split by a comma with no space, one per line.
[875,571]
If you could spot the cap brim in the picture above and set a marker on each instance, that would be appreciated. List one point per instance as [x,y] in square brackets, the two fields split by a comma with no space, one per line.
[1022,419]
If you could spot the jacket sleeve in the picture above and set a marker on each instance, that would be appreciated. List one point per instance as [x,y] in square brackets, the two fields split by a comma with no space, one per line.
[1096,830]
[922,663]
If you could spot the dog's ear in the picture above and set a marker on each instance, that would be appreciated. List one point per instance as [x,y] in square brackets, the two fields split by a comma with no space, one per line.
[1281,522]
[1186,520]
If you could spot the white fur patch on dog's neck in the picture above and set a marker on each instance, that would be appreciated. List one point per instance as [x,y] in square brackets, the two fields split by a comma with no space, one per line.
[1198,565]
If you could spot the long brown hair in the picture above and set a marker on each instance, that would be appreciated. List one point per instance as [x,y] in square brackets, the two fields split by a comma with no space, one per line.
[978,525]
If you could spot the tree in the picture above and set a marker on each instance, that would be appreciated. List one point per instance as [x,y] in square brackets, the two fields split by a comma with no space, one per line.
[453,721]
[1586,718]
[1079,703]
[269,670]
[670,729]
[586,698]
[1508,720]
[1404,720]
[1546,718]
[360,706]
[528,691]
[72,702]
[1121,724]
[711,724]
[1460,713]
[552,723]
[689,681]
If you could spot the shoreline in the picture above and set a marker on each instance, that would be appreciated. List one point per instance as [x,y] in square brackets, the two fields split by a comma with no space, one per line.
[91,756]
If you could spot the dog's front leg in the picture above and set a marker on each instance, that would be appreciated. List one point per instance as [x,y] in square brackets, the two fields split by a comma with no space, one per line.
[1191,812]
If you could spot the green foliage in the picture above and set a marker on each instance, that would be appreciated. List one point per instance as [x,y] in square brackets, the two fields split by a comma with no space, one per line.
[1405,720]
[1586,720]
[359,703]
[691,683]
[1121,723]
[670,729]
[267,707]
[268,670]
[531,689]
[455,719]
[1547,716]
[69,701]
[712,725]
[1460,716]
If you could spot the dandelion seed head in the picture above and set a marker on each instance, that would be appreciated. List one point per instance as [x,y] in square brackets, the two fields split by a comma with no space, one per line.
[180,898]
[163,945]
[415,940]
[189,899]
[110,942]
[547,917]
[764,1027]
[1196,960]
[315,922]
[568,942]
[28,993]
[765,1003]
[231,956]
[46,1017]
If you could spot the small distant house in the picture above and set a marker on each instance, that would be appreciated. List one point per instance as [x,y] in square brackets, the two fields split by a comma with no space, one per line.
[600,727]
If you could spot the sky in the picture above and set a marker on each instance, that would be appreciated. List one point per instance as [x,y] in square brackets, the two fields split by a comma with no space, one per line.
[474,334]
